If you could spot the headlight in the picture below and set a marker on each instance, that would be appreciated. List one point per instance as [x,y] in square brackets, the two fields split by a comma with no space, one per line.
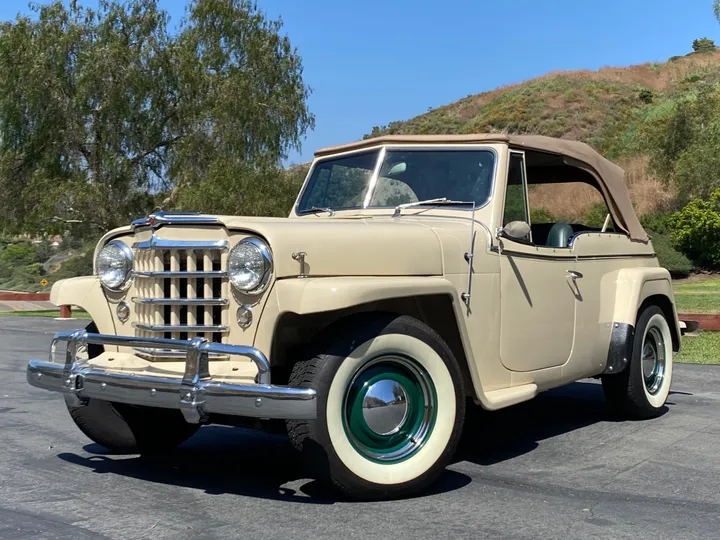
[114,265]
[250,265]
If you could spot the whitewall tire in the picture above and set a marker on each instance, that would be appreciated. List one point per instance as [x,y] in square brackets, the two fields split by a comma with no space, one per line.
[642,389]
[391,405]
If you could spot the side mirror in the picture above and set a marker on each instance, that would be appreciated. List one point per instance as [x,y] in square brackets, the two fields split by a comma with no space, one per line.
[515,229]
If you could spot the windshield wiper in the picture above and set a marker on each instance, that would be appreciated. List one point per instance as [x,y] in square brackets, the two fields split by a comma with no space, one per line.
[443,201]
[316,209]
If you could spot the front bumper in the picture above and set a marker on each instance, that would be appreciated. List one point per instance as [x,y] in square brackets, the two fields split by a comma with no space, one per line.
[195,394]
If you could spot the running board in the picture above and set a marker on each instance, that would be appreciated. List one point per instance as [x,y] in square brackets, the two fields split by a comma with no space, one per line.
[498,399]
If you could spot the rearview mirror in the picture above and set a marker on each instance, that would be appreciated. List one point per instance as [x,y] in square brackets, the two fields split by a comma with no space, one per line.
[515,229]
[398,168]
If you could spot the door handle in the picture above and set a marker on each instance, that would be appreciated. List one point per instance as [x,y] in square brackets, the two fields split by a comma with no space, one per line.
[574,274]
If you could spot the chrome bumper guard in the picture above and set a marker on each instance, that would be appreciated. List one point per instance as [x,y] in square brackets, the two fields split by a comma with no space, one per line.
[196,394]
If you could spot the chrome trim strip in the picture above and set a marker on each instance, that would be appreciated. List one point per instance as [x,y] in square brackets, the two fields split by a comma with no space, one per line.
[604,257]
[158,219]
[374,178]
[181,328]
[160,243]
[571,257]
[182,274]
[167,353]
[182,301]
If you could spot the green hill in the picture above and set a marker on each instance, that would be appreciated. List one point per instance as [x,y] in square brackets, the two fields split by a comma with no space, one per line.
[623,112]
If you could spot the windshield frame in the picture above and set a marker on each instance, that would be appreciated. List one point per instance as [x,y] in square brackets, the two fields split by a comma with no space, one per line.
[383,149]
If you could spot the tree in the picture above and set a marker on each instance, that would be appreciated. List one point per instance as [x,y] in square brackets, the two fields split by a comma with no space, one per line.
[703,45]
[104,114]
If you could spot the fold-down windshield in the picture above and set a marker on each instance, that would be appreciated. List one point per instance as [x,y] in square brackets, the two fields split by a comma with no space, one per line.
[405,176]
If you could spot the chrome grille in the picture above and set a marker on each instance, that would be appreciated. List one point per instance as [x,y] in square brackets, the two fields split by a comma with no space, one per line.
[181,291]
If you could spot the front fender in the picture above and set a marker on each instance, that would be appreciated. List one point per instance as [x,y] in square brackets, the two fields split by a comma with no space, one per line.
[320,295]
[86,293]
[304,296]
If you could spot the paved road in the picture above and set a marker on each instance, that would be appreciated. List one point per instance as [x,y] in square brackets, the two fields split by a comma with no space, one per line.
[557,467]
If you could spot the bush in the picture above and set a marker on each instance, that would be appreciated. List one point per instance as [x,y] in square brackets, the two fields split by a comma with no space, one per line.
[656,223]
[19,254]
[595,217]
[703,45]
[541,215]
[646,95]
[695,231]
[677,264]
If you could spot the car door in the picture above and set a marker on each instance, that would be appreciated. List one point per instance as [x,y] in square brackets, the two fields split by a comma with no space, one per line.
[538,302]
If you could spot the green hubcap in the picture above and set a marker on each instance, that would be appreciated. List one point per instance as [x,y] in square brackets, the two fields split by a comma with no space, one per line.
[389,409]
[653,360]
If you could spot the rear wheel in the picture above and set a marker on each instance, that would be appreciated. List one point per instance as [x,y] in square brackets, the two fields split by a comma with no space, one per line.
[391,406]
[642,389]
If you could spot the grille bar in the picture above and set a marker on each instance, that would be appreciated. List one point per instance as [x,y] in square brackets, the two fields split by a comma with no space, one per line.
[182,301]
[159,243]
[182,274]
[182,291]
[181,327]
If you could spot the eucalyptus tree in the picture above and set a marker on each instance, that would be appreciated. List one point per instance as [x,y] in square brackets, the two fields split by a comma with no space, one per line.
[107,113]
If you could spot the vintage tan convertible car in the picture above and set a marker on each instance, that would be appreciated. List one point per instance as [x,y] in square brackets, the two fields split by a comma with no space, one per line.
[409,277]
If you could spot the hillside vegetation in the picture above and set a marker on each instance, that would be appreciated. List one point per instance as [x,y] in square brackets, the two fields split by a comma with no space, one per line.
[659,121]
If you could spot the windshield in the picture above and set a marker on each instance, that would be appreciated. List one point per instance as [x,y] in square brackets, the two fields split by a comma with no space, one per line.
[405,176]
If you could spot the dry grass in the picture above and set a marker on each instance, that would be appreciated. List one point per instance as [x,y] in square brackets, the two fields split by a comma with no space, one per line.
[573,201]
[567,201]
[648,192]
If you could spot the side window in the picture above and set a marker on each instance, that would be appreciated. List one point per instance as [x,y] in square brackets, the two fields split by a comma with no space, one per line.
[516,205]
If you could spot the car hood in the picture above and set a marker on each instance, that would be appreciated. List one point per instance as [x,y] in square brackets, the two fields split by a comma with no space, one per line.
[346,247]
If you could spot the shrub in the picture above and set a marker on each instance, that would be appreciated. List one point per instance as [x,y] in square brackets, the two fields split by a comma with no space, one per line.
[656,223]
[677,264]
[595,217]
[646,95]
[541,215]
[19,254]
[695,231]
[703,45]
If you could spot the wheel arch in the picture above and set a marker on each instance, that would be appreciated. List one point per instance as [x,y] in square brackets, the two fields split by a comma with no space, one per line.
[638,288]
[294,332]
[668,309]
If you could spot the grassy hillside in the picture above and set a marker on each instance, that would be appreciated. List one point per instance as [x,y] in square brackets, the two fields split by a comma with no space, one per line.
[612,109]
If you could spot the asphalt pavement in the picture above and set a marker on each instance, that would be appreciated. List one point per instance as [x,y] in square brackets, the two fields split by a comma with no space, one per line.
[556,467]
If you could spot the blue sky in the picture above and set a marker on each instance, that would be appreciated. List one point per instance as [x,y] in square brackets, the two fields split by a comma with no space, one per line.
[376,61]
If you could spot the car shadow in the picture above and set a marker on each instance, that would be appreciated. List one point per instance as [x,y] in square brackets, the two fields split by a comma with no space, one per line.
[497,436]
[220,460]
[227,460]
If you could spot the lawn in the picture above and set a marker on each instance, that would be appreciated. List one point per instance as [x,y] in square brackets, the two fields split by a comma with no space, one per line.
[77,314]
[698,295]
[702,349]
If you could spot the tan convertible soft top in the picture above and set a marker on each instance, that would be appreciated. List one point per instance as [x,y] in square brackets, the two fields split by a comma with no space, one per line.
[609,177]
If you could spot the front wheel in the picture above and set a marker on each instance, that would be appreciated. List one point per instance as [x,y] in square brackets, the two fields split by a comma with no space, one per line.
[391,405]
[128,429]
[641,390]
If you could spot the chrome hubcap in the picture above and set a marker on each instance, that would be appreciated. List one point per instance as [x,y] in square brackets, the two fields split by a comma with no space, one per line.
[385,407]
[389,409]
[653,360]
